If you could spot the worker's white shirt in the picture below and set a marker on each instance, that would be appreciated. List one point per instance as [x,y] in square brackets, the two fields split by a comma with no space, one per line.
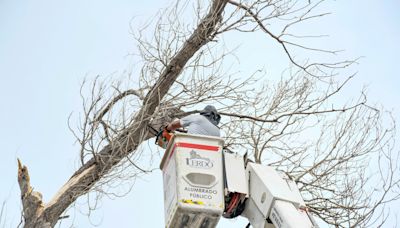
[198,124]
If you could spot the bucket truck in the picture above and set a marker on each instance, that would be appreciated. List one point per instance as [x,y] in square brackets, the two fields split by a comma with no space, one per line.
[203,182]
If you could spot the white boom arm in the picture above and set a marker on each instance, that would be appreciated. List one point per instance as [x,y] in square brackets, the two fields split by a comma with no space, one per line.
[272,199]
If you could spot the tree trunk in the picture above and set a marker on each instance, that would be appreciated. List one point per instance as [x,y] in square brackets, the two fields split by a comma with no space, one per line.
[38,215]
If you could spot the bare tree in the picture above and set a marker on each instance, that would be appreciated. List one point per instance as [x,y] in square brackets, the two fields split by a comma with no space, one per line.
[184,64]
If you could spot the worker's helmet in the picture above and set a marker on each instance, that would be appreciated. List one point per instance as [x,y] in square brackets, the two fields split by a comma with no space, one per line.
[212,114]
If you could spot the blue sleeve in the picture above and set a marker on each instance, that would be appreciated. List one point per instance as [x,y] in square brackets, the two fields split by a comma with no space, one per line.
[187,120]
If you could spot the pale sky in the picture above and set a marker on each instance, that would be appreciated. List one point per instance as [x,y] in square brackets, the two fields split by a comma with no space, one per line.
[48,47]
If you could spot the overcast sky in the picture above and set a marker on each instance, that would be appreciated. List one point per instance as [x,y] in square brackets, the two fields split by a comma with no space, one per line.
[48,47]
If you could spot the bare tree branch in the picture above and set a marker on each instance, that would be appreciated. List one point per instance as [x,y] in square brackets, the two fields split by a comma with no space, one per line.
[299,124]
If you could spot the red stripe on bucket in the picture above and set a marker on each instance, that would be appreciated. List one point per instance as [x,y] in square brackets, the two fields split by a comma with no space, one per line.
[197,146]
[192,146]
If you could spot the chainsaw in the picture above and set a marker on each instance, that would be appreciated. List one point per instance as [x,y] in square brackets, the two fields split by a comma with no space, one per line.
[163,138]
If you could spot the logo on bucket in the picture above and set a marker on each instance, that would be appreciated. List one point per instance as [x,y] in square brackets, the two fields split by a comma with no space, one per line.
[197,161]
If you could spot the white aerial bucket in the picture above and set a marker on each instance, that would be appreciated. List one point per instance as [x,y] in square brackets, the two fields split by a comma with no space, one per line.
[193,181]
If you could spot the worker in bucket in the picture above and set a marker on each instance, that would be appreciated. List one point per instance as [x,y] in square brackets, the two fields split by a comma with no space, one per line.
[204,124]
